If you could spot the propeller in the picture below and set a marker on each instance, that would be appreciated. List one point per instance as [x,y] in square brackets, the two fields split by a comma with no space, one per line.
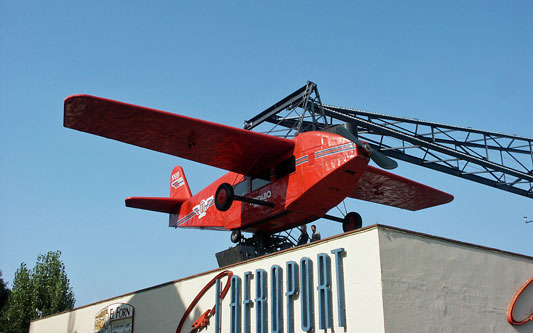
[346,130]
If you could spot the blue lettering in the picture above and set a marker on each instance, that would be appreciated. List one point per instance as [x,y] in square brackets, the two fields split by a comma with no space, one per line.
[299,281]
[306,294]
[217,307]
[292,291]
[325,308]
[340,286]
[248,303]
[260,300]
[235,305]
[276,304]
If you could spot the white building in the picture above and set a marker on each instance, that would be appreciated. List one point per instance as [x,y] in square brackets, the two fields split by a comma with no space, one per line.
[376,279]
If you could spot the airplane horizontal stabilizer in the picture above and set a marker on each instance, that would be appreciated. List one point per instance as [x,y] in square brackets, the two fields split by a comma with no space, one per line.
[380,186]
[163,205]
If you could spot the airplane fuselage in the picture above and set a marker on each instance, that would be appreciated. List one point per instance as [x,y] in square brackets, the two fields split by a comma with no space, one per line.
[303,186]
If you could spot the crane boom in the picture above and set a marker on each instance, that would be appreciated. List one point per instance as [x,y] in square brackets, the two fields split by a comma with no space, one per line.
[499,160]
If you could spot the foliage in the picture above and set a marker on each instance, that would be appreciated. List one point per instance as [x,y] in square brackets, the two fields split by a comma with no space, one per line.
[17,316]
[45,290]
[4,293]
[50,285]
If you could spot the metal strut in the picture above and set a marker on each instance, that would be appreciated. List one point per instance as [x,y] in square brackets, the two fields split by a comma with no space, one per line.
[498,160]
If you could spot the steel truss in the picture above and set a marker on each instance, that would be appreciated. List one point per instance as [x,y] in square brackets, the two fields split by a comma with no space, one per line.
[499,160]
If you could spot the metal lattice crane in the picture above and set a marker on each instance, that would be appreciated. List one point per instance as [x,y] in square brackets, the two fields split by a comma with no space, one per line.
[499,160]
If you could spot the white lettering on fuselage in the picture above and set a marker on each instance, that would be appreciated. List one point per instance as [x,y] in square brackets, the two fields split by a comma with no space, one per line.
[263,197]
[201,209]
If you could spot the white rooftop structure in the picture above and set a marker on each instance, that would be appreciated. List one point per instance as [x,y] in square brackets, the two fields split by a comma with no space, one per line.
[376,279]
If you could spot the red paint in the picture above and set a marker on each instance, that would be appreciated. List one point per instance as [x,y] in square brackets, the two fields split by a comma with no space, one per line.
[202,321]
[197,140]
[205,316]
[510,317]
[329,168]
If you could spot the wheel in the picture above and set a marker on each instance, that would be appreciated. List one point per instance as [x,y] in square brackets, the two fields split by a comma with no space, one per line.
[352,221]
[224,197]
[236,236]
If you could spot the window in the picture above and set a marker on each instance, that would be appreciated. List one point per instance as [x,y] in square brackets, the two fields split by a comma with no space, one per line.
[261,179]
[241,188]
[285,167]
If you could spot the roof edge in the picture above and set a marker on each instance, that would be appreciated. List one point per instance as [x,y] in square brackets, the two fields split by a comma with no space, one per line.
[325,240]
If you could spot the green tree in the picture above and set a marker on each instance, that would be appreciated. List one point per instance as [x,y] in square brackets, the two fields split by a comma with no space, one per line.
[17,316]
[51,288]
[44,291]
[4,294]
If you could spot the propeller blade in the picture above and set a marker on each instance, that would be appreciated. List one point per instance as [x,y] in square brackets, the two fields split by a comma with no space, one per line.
[383,160]
[346,130]
[342,131]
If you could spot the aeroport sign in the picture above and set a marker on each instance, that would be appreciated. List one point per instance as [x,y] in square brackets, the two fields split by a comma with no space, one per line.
[268,284]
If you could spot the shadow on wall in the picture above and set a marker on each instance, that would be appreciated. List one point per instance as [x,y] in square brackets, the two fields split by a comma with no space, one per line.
[155,309]
[71,322]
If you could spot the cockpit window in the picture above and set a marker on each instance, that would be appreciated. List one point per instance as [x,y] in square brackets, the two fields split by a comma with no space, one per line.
[241,188]
[261,179]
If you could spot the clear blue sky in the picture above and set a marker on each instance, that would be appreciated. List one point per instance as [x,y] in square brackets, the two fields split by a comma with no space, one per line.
[460,63]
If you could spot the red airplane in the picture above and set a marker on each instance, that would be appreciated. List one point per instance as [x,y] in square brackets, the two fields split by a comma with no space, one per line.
[273,183]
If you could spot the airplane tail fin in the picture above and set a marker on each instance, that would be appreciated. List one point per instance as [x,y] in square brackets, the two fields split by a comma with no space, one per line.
[179,188]
[179,193]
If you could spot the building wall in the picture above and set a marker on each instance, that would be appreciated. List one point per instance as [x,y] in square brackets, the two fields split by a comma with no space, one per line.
[437,285]
[159,309]
[394,281]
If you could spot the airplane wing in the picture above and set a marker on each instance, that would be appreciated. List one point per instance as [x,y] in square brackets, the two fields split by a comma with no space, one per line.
[221,146]
[386,188]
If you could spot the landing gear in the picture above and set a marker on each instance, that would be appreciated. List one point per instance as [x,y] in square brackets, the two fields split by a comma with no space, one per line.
[262,243]
[224,197]
[257,245]
[352,221]
[236,236]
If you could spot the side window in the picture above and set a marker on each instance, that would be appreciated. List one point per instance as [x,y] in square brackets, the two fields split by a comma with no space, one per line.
[285,167]
[241,188]
[261,179]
